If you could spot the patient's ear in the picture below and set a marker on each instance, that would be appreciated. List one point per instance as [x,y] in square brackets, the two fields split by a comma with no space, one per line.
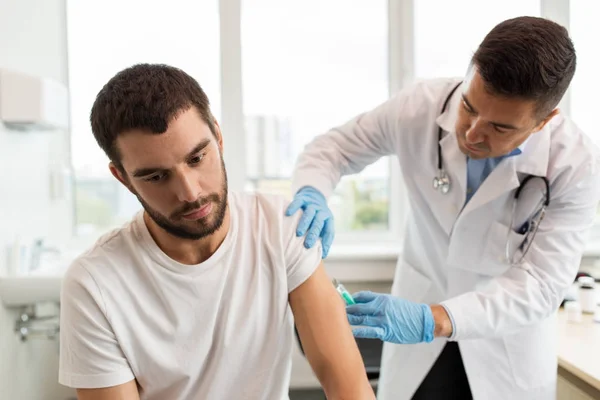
[121,176]
[218,135]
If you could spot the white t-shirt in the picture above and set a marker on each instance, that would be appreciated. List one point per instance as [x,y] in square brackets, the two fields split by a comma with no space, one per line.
[222,329]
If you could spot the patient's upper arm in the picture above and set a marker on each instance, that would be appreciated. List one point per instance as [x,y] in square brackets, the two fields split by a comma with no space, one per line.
[126,391]
[327,338]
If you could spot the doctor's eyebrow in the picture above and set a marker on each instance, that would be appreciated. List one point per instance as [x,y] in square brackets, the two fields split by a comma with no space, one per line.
[141,172]
[496,124]
[464,98]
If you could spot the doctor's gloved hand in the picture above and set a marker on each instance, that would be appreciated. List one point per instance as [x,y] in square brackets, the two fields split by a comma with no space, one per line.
[390,318]
[317,218]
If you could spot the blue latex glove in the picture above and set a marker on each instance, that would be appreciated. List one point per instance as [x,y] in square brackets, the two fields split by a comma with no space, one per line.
[317,217]
[390,319]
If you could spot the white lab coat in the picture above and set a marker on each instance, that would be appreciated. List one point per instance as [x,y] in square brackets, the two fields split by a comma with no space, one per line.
[504,316]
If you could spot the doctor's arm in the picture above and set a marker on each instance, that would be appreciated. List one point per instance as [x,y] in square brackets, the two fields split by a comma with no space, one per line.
[348,148]
[528,293]
[345,150]
[327,338]
[524,295]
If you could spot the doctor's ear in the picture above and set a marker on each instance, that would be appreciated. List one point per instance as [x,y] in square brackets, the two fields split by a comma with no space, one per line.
[543,122]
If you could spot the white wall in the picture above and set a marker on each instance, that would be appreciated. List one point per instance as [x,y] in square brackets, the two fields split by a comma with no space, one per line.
[32,40]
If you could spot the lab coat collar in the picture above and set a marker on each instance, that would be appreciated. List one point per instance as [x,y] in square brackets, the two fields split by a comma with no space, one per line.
[447,119]
[519,149]
[535,153]
[454,163]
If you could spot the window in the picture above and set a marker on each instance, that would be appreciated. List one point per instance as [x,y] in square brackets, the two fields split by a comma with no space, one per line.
[305,67]
[105,37]
[585,87]
[308,67]
[585,30]
[447,33]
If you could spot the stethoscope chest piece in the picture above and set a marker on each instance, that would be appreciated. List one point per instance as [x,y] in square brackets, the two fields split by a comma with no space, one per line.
[441,183]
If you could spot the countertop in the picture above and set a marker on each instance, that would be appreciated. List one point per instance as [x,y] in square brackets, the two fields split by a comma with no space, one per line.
[579,348]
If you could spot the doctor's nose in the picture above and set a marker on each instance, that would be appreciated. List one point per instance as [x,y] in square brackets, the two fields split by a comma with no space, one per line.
[475,133]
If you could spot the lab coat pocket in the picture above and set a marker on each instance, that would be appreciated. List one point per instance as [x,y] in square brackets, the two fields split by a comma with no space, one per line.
[532,354]
[494,261]
[411,284]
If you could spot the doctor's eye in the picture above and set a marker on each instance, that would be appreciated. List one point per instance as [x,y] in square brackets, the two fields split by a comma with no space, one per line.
[500,130]
[467,108]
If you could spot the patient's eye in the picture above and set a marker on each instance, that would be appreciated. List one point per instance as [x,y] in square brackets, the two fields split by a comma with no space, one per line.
[156,178]
[197,158]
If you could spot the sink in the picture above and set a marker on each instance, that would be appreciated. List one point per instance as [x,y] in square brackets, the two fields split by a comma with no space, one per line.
[41,285]
[16,291]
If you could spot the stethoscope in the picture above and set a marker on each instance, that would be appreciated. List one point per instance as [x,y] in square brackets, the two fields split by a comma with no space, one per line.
[529,229]
[442,181]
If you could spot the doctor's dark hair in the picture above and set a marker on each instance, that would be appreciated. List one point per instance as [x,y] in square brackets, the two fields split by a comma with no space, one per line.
[529,58]
[146,97]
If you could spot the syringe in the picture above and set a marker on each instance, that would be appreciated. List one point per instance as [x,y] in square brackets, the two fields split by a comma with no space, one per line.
[343,292]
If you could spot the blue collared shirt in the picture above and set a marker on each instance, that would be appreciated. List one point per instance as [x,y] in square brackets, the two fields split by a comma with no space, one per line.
[478,170]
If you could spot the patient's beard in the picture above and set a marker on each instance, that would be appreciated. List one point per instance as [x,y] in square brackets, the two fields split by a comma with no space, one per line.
[177,226]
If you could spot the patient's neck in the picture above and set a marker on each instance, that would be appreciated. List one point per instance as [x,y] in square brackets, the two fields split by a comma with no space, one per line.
[188,251]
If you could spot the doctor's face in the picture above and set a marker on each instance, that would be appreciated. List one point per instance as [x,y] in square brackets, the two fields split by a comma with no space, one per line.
[490,125]
[178,176]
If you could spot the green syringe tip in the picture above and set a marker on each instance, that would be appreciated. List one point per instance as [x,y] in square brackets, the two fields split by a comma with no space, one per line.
[348,298]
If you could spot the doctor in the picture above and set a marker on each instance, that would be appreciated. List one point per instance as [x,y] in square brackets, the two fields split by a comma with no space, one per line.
[482,273]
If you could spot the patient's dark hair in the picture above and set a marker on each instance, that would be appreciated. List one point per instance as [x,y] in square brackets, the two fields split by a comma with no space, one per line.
[146,97]
[527,57]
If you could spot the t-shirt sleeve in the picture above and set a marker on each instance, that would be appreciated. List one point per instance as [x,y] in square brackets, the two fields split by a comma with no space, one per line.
[90,355]
[301,262]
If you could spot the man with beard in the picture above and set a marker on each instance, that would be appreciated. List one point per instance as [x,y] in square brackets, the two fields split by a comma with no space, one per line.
[196,297]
